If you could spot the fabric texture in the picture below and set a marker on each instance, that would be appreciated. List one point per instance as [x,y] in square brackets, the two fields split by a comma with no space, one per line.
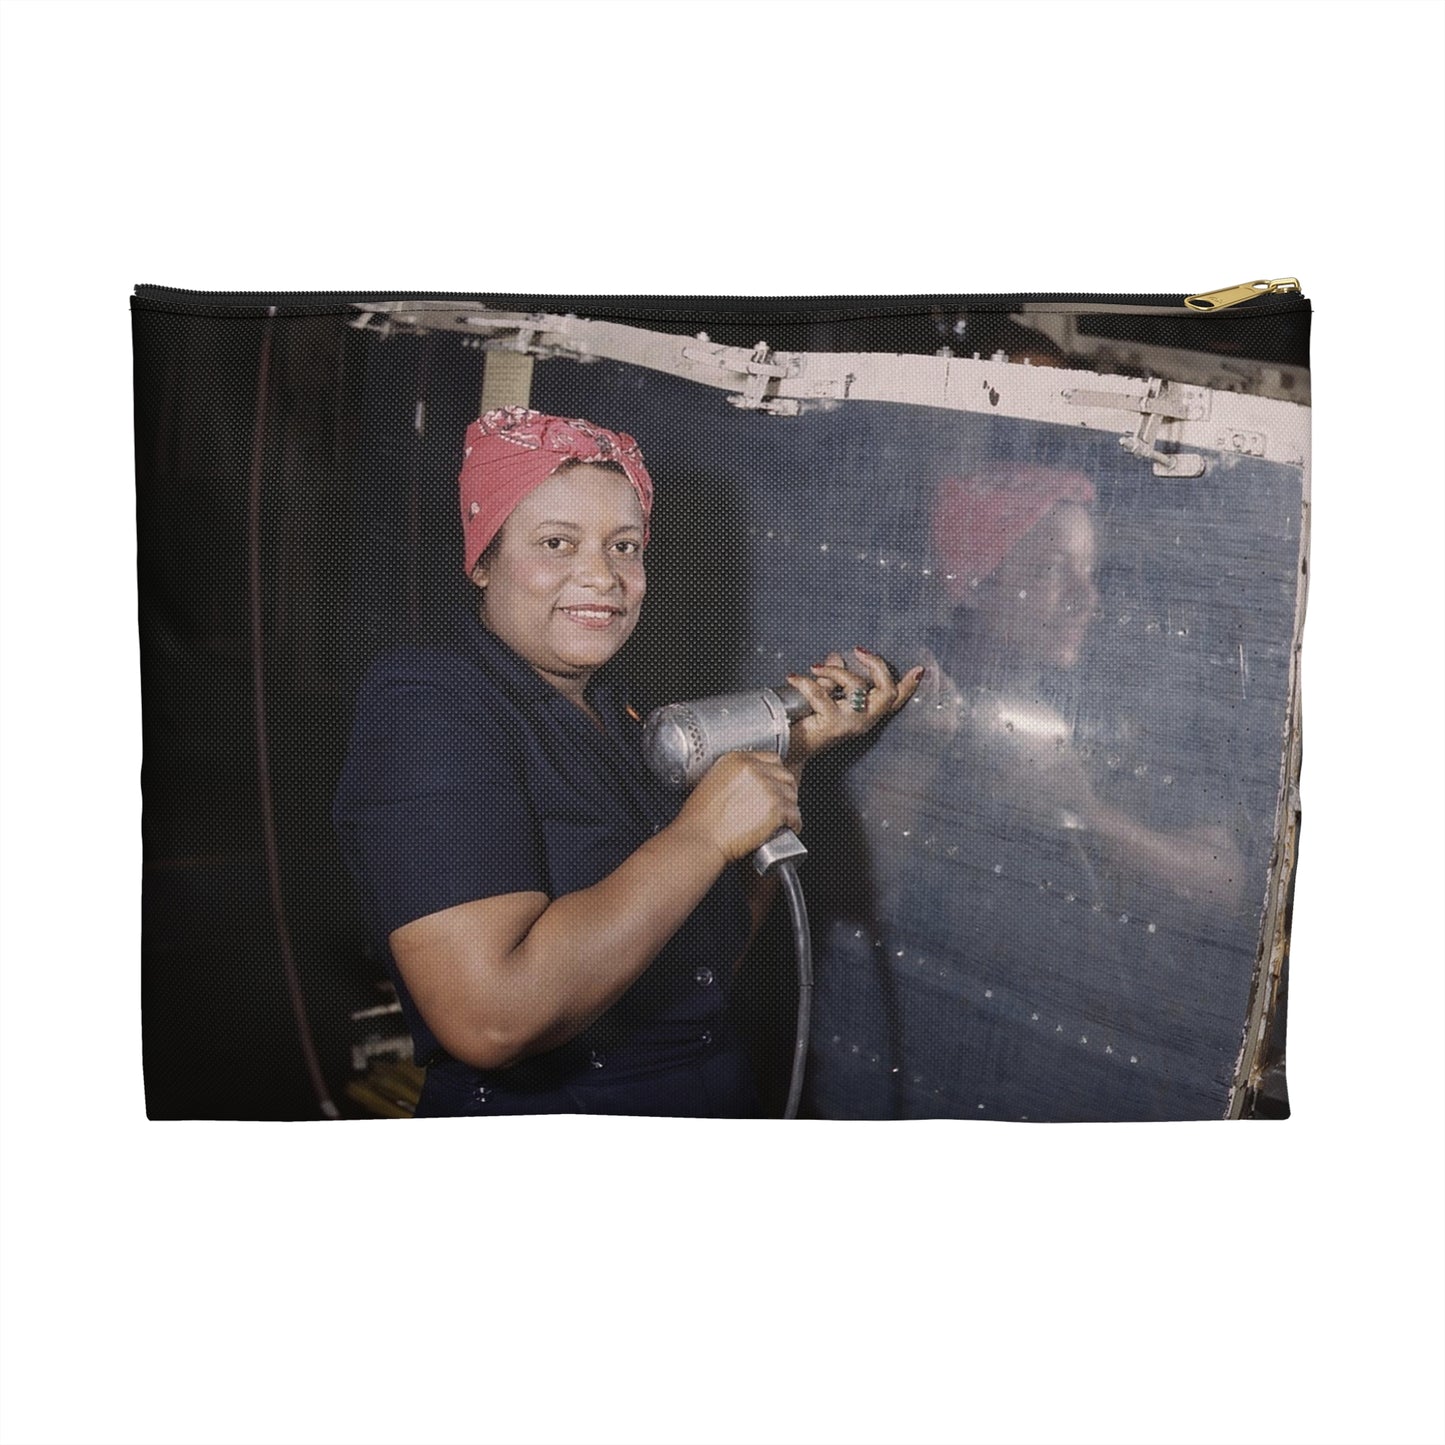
[1055,885]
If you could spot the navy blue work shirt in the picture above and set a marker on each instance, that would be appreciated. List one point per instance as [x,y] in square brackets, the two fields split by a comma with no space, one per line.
[469,776]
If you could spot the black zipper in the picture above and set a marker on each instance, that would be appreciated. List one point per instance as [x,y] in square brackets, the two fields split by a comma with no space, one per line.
[669,308]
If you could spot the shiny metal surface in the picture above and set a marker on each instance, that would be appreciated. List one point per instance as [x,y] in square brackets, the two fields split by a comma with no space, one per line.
[681,741]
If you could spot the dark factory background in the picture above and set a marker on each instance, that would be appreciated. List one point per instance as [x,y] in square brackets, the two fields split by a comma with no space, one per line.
[296,515]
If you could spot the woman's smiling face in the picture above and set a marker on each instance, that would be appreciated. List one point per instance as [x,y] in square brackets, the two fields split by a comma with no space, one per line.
[1038,605]
[564,584]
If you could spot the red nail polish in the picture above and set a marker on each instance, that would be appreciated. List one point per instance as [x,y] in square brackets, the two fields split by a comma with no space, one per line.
[865,652]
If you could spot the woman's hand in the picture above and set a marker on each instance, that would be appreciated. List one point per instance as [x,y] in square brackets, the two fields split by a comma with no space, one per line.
[932,717]
[502,978]
[742,801]
[869,694]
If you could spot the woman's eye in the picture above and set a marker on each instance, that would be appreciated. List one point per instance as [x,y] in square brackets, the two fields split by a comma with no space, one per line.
[629,549]
[554,544]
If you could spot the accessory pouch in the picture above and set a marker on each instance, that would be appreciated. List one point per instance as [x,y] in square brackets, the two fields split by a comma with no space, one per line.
[1053,885]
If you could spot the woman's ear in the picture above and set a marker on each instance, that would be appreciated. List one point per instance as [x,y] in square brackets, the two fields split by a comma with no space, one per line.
[480,574]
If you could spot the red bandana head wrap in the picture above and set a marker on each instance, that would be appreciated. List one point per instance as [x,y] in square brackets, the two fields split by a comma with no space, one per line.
[514,450]
[978,520]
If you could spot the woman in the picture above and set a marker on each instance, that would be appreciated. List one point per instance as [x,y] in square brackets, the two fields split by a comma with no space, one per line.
[1019,552]
[1031,948]
[562,927]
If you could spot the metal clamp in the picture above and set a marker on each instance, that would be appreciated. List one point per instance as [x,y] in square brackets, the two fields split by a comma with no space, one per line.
[495,333]
[1159,403]
[761,372]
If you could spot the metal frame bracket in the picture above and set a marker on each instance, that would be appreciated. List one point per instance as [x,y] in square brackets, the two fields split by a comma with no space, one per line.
[760,369]
[1160,403]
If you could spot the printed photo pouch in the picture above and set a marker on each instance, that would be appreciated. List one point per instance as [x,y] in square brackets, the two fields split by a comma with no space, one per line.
[846,707]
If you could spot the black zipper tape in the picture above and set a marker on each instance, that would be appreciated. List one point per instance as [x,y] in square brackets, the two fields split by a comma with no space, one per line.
[774,309]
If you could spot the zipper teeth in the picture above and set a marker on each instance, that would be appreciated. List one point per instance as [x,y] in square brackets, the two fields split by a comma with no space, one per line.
[386,294]
[717,309]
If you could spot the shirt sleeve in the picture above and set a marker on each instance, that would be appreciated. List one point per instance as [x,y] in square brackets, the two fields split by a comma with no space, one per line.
[433,807]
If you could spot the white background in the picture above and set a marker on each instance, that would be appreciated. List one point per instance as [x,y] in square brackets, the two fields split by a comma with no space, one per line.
[555,1280]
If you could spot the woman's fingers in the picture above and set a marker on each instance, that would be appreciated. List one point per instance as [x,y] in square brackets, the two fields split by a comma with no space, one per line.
[743,799]
[912,681]
[930,683]
[891,693]
[879,673]
[871,673]
[819,694]
[849,698]
[850,683]
[777,776]
[885,685]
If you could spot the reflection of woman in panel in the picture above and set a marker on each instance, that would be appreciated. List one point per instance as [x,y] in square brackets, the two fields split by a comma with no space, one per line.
[563,928]
[1005,960]
[1018,548]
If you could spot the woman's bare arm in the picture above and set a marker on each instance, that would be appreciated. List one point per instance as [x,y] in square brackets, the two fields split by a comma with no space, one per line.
[500,978]
[1202,866]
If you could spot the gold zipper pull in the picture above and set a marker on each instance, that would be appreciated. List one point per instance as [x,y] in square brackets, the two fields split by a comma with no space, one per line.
[1233,295]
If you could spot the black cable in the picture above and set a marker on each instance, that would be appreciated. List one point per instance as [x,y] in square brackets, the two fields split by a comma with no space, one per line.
[263,751]
[803,945]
